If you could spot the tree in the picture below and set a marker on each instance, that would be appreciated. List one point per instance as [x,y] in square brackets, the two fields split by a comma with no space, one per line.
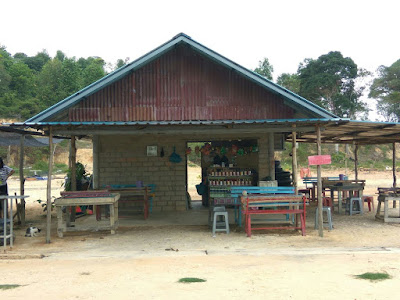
[265,69]
[22,80]
[289,81]
[121,62]
[329,82]
[93,71]
[49,81]
[386,89]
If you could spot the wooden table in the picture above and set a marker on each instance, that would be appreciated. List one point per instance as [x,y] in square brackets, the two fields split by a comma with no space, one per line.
[6,219]
[132,195]
[354,187]
[386,195]
[81,199]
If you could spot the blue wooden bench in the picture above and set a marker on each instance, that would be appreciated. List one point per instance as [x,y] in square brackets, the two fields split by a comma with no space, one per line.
[237,192]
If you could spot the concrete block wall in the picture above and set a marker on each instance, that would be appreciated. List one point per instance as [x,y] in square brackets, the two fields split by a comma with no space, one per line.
[263,158]
[124,160]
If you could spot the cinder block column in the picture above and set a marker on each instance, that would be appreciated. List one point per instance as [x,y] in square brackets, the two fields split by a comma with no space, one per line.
[263,161]
[271,155]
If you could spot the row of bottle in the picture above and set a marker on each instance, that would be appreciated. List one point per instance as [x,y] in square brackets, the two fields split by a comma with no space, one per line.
[239,182]
[231,173]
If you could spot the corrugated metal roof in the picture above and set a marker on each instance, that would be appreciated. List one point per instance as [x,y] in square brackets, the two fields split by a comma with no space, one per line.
[180,38]
[199,122]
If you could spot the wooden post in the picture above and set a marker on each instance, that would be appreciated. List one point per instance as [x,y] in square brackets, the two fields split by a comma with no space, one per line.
[96,174]
[394,167]
[356,162]
[72,163]
[294,161]
[51,153]
[394,170]
[319,187]
[22,180]
[271,155]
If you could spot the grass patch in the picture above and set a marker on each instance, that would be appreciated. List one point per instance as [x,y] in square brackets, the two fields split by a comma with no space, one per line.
[191,279]
[373,276]
[8,286]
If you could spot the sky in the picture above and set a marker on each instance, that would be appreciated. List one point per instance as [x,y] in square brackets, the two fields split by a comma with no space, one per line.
[285,32]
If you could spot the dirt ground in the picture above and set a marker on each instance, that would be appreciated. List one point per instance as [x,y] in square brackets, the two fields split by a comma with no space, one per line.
[146,258]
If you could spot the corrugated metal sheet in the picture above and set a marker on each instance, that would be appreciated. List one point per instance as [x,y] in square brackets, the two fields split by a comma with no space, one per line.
[181,85]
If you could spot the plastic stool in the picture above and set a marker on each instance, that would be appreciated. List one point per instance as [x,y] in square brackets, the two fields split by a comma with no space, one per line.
[370,200]
[220,211]
[326,209]
[350,205]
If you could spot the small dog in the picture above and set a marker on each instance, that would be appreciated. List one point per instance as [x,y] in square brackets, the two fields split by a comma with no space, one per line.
[32,231]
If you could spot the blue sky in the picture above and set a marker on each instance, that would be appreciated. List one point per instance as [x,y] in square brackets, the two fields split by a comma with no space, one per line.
[286,32]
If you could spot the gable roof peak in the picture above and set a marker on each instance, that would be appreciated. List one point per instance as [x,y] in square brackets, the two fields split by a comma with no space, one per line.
[181,34]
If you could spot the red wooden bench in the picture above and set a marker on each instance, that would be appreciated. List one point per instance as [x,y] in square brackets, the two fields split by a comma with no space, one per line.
[264,205]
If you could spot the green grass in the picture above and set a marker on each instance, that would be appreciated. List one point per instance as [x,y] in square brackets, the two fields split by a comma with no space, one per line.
[373,276]
[191,279]
[8,286]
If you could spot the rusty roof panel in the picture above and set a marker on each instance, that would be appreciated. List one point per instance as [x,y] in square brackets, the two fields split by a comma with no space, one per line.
[181,85]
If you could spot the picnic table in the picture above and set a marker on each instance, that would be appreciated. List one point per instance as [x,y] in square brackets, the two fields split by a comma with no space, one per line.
[386,195]
[311,190]
[79,198]
[353,187]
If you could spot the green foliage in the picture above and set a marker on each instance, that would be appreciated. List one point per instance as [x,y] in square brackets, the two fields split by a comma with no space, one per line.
[191,280]
[41,165]
[30,84]
[194,158]
[329,82]
[386,89]
[373,276]
[369,156]
[43,204]
[61,167]
[289,81]
[81,175]
[338,158]
[265,69]
[9,286]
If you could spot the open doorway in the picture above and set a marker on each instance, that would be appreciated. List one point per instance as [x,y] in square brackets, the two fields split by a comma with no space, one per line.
[219,163]
[194,173]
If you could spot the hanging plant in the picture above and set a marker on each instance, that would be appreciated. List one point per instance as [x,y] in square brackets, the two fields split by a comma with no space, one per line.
[197,150]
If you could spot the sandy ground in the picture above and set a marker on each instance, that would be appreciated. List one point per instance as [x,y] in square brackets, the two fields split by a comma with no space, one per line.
[146,258]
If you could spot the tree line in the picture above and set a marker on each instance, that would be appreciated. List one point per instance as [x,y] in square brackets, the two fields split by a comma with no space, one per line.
[337,84]
[30,84]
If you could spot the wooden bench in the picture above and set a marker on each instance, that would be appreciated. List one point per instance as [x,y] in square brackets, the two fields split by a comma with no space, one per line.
[132,194]
[237,192]
[258,205]
[78,198]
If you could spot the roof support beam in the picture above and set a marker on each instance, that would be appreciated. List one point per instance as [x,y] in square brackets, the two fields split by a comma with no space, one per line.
[215,130]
